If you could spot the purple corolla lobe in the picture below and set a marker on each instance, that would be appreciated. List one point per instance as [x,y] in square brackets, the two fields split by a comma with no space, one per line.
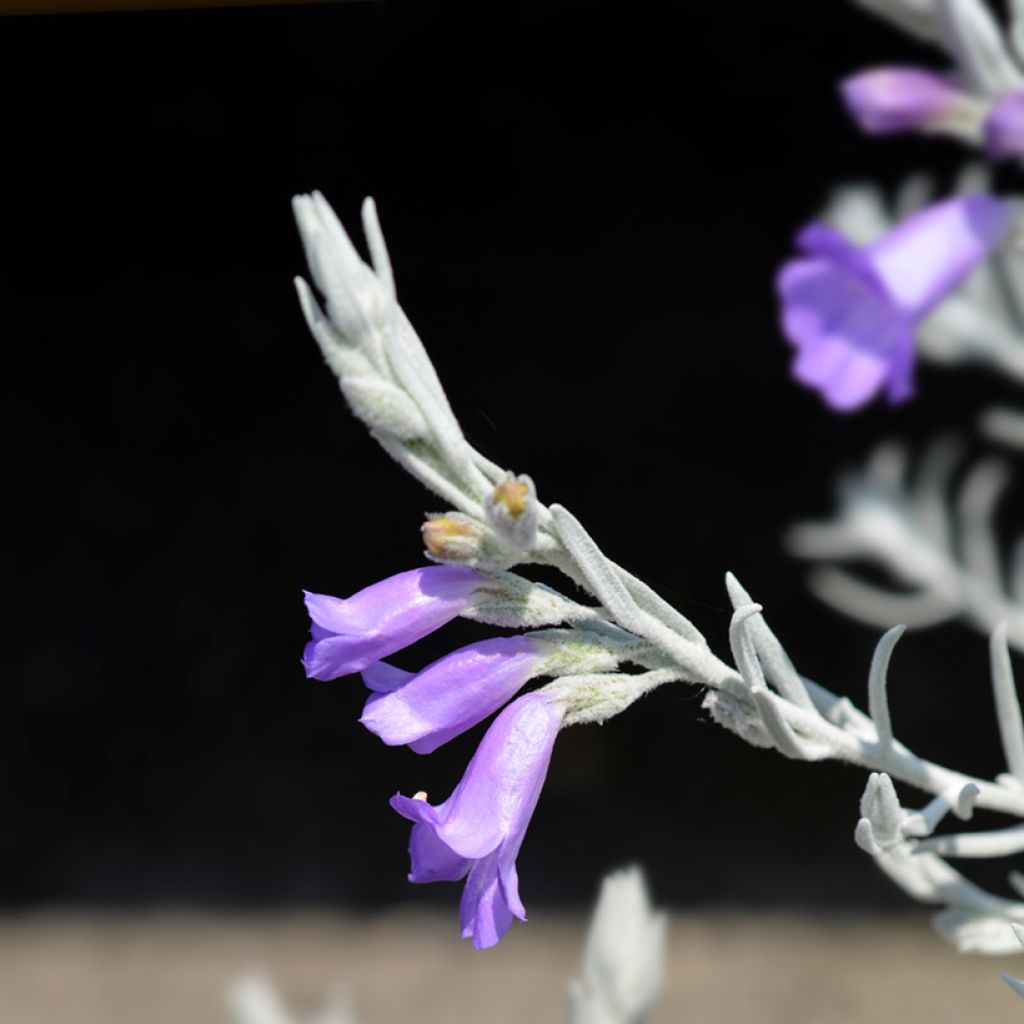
[349,634]
[478,830]
[851,312]
[428,708]
[384,678]
[1004,127]
[897,99]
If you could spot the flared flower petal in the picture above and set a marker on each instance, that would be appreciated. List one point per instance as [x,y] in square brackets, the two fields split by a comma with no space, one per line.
[451,695]
[483,822]
[894,99]
[383,678]
[846,334]
[851,312]
[350,634]
[484,913]
[432,860]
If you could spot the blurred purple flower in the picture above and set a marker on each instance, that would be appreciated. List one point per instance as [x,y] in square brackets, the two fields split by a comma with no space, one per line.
[383,618]
[481,826]
[1004,127]
[887,100]
[446,698]
[850,312]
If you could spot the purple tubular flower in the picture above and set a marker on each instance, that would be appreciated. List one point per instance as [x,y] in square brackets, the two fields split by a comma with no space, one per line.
[884,101]
[478,830]
[1004,127]
[851,312]
[449,696]
[350,634]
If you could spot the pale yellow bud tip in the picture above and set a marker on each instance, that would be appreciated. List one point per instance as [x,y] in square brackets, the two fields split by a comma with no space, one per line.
[445,537]
[512,494]
[421,795]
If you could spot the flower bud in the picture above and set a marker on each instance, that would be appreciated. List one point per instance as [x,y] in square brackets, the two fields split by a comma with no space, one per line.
[511,509]
[452,537]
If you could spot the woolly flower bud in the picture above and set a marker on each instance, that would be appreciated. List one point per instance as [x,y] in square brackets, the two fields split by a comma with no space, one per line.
[452,537]
[457,539]
[511,509]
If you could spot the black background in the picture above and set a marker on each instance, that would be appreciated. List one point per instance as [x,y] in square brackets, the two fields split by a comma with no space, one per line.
[585,209]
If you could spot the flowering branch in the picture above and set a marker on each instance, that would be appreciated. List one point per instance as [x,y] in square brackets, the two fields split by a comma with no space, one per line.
[623,968]
[624,958]
[1004,426]
[873,290]
[973,920]
[904,847]
[253,999]
[946,561]
[477,832]
[988,81]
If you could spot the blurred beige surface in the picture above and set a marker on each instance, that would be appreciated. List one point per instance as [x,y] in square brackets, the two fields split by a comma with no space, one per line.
[409,967]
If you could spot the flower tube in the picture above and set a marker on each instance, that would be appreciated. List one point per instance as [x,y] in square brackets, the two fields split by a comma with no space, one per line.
[383,618]
[1004,127]
[428,708]
[851,312]
[886,100]
[478,830]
